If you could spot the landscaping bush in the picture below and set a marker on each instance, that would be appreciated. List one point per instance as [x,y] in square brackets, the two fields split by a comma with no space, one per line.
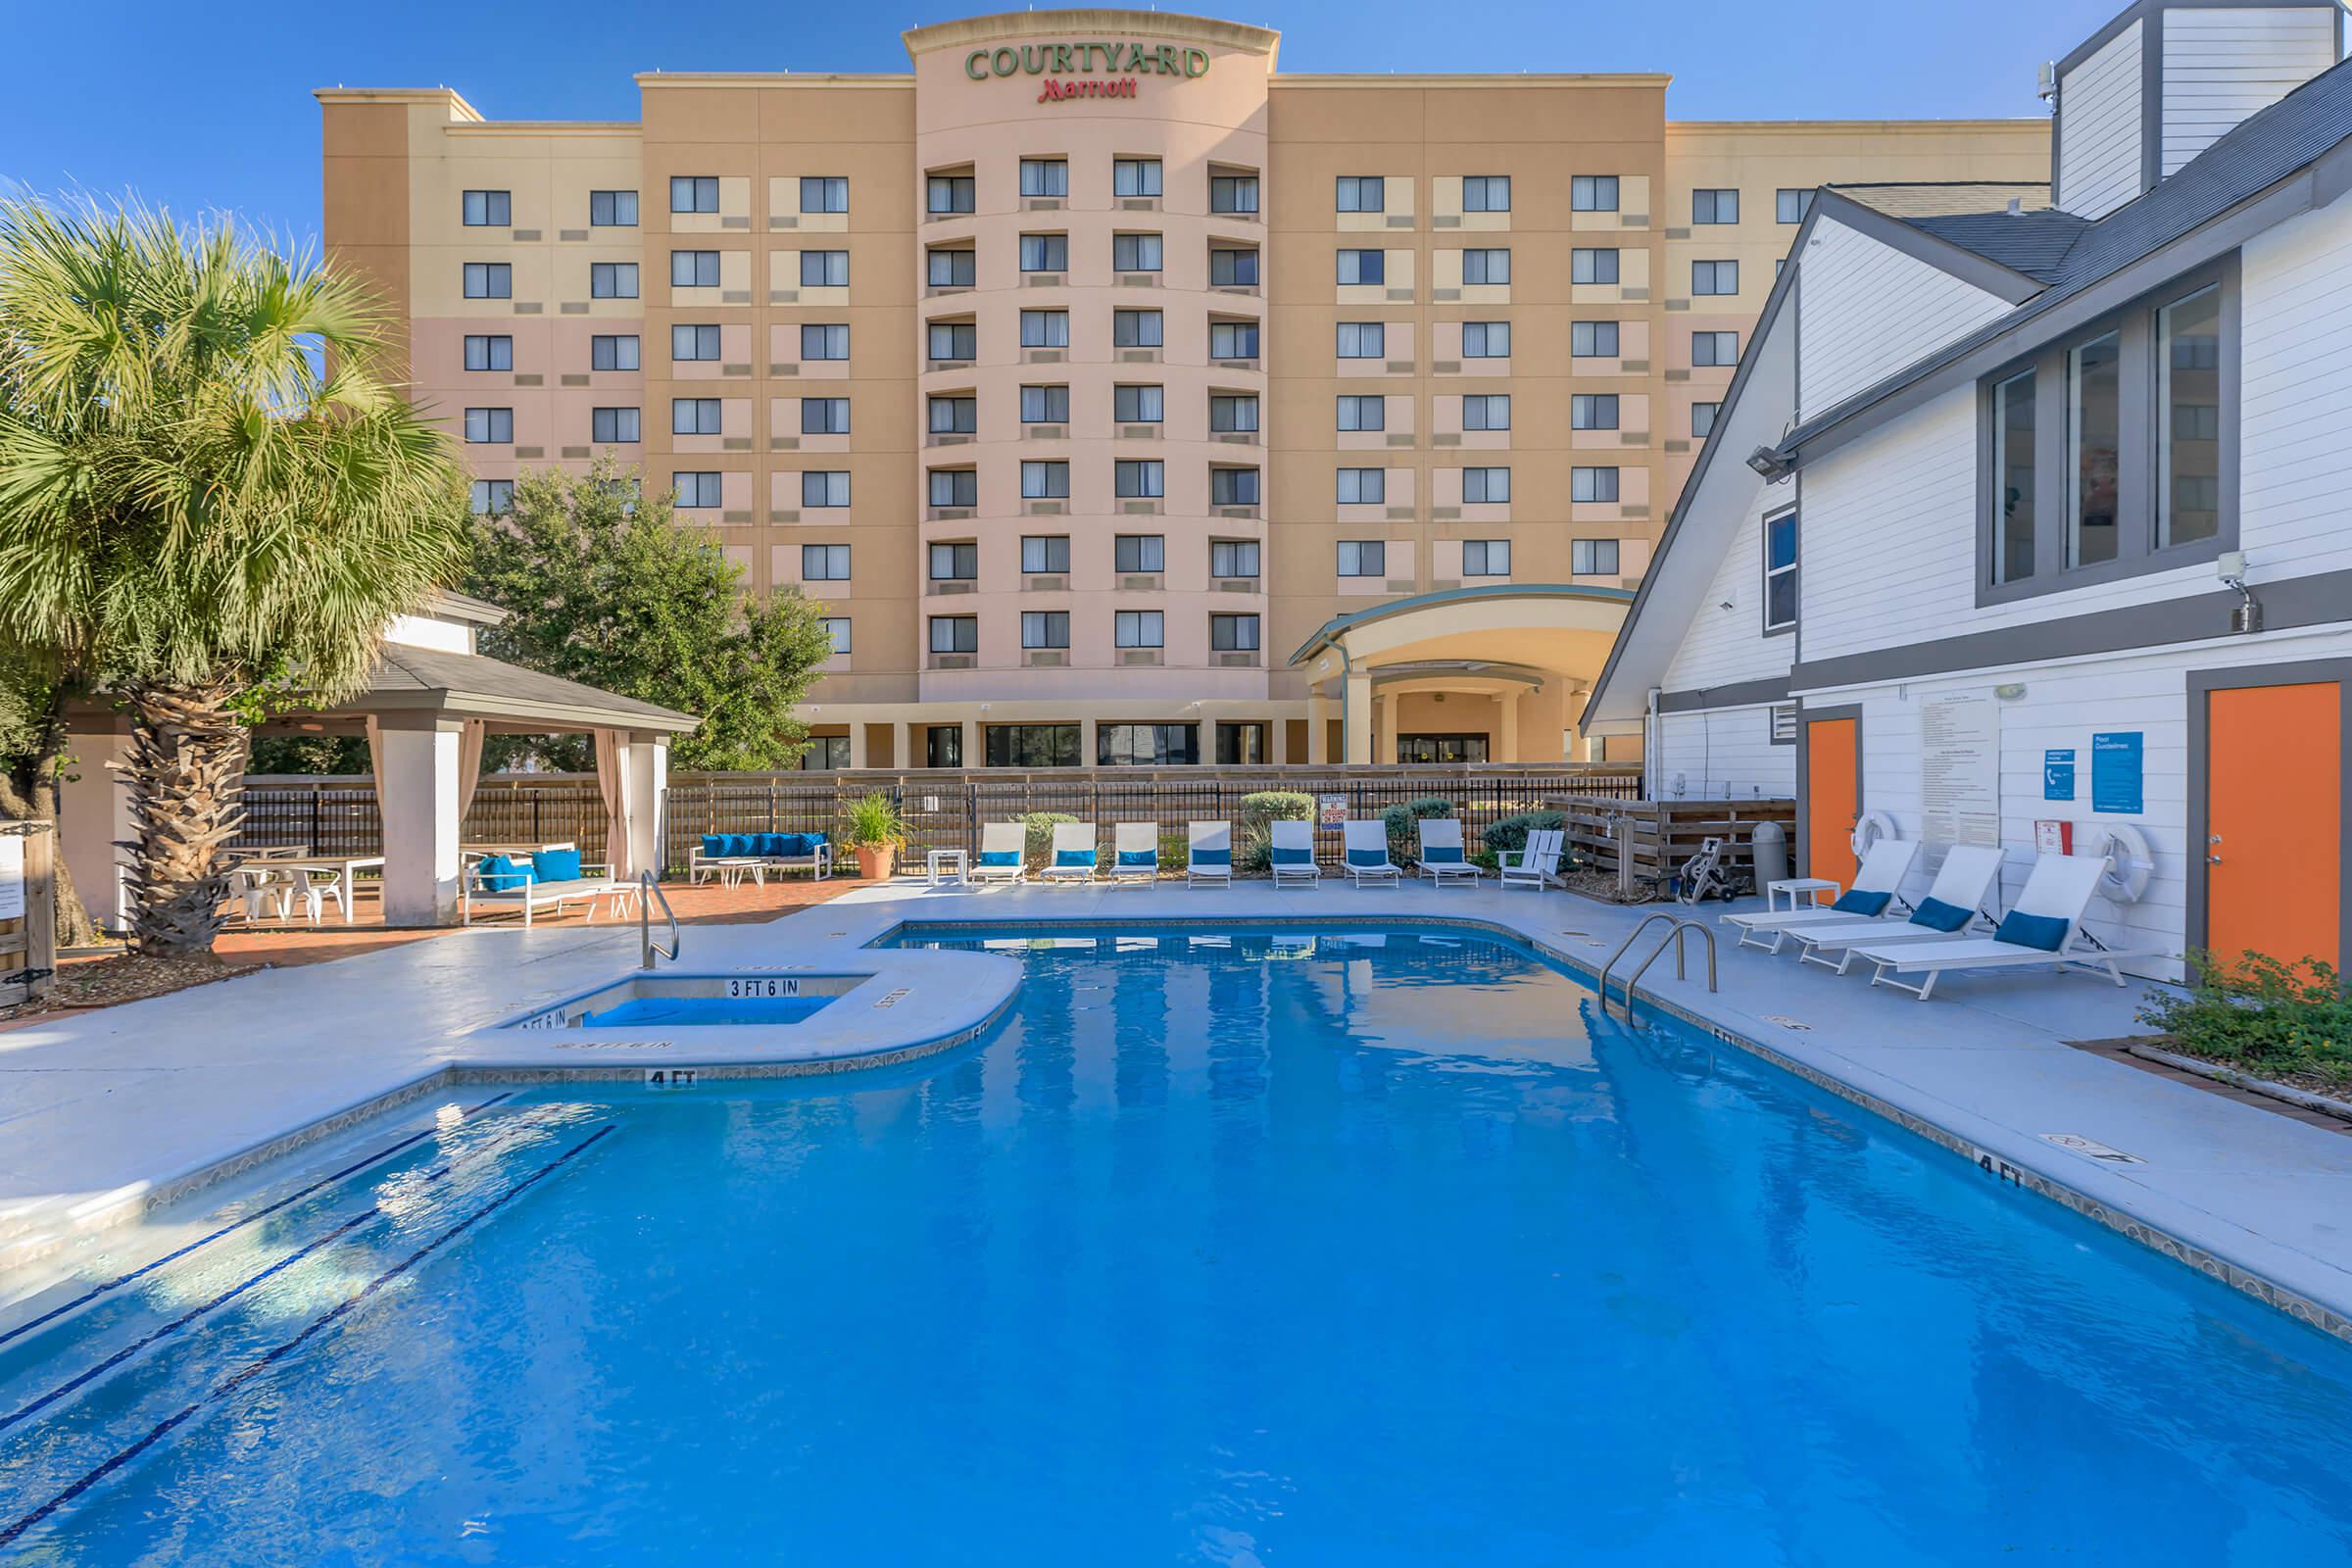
[1254,839]
[2277,1019]
[1175,851]
[1509,836]
[1405,836]
[1037,844]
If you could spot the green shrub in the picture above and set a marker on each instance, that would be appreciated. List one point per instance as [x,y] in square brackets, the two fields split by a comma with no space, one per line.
[1175,851]
[1254,839]
[1037,842]
[2274,1018]
[1509,836]
[1405,836]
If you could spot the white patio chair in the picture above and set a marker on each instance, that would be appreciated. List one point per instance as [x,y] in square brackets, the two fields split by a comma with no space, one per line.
[1293,856]
[1134,852]
[1209,855]
[1537,863]
[2044,928]
[1878,884]
[1001,845]
[1367,844]
[1443,858]
[1954,901]
[1074,852]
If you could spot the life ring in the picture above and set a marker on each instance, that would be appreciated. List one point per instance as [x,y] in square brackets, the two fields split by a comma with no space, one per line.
[1869,828]
[2130,863]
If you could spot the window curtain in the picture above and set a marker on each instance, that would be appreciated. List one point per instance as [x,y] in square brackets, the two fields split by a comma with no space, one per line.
[615,787]
[470,764]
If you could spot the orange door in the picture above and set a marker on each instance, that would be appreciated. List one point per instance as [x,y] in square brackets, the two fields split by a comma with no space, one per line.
[2273,790]
[1831,804]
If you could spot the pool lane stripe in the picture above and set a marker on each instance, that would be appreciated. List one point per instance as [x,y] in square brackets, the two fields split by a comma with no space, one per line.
[256,1367]
[116,1283]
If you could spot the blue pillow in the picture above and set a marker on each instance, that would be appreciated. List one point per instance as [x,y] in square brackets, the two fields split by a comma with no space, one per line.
[714,846]
[1937,915]
[1286,855]
[1860,903]
[999,857]
[1073,857]
[555,865]
[794,845]
[1441,853]
[1222,857]
[771,844]
[501,874]
[814,839]
[1139,856]
[2043,931]
[1367,856]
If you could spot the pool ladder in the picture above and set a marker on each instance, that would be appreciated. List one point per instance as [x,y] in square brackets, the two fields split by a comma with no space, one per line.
[1673,938]
[649,889]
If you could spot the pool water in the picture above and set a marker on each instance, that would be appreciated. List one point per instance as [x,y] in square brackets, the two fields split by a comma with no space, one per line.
[1247,1249]
[639,1012]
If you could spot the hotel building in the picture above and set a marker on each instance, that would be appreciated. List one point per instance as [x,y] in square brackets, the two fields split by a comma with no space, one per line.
[1125,401]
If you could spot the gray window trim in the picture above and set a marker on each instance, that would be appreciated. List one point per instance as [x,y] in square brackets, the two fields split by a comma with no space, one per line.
[1764,573]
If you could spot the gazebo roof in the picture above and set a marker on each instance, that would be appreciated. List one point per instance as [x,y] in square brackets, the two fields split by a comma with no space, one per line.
[409,678]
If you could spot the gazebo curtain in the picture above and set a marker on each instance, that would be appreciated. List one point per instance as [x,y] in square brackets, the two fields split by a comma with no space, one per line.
[469,763]
[612,783]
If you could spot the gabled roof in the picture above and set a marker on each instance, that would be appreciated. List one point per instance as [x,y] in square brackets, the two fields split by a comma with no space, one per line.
[2035,243]
[475,686]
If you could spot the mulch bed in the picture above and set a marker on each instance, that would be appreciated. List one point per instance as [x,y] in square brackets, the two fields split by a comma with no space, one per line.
[2311,1083]
[1602,886]
[121,977]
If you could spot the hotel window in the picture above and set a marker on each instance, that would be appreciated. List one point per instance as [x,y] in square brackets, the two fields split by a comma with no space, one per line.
[1135,478]
[1364,414]
[1033,746]
[1363,557]
[701,488]
[825,487]
[1044,404]
[1361,193]
[1147,745]
[1045,176]
[1241,745]
[1045,629]
[1591,266]
[824,269]
[826,753]
[1045,253]
[1489,265]
[955,487]
[955,634]
[1134,253]
[613,208]
[824,193]
[825,341]
[1229,634]
[1486,557]
[1779,571]
[1714,207]
[837,631]
[1232,412]
[1228,268]
[1363,266]
[955,416]
[618,281]
[489,353]
[1485,340]
[825,416]
[694,193]
[1361,340]
[694,417]
[1135,177]
[1136,404]
[614,352]
[1702,420]
[1592,193]
[1592,410]
[947,193]
[1233,340]
[489,280]
[1592,340]
[1714,277]
[695,342]
[955,563]
[1232,193]
[942,746]
[1486,193]
[1233,557]
[1140,551]
[2014,428]
[1791,206]
[1045,481]
[692,269]
[1045,553]
[956,340]
[488,209]
[1591,484]
[824,563]
[1486,486]
[1137,628]
[489,427]
[1490,411]
[1362,487]
[952,269]
[1717,349]
[493,498]
[2094,448]
[1593,558]
[1136,330]
[1045,329]
[1233,487]
[611,426]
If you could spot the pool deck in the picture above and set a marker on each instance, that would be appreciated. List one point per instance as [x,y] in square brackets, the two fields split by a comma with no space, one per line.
[103,1114]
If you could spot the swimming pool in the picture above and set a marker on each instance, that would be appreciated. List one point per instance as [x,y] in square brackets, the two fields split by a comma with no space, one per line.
[1370,1246]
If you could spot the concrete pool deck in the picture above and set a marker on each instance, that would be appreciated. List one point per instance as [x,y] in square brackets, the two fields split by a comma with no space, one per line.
[103,1113]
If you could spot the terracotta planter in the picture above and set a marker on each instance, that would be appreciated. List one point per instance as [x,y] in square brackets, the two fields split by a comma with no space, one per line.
[875,861]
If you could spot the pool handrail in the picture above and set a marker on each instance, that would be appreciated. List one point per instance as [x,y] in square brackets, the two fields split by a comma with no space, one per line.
[648,890]
[1674,938]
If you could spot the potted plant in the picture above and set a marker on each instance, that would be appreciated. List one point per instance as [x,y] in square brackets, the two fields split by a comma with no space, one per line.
[873,833]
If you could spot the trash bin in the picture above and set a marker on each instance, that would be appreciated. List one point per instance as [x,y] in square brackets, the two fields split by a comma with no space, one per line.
[1768,846]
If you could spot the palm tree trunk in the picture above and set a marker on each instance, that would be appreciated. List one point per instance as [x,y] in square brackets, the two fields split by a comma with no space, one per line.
[186,777]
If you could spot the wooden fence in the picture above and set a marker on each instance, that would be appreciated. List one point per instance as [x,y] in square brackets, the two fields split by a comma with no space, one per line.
[27,909]
[1645,841]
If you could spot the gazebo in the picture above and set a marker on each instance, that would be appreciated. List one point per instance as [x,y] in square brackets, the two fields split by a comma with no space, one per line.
[428,705]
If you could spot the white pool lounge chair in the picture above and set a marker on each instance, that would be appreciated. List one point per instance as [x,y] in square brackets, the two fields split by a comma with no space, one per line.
[1367,844]
[2044,928]
[1954,903]
[1537,865]
[1134,852]
[1209,855]
[1293,858]
[549,879]
[1441,858]
[1000,847]
[1073,854]
[1878,887]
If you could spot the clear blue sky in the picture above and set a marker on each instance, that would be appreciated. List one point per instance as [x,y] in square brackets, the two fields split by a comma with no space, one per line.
[197,106]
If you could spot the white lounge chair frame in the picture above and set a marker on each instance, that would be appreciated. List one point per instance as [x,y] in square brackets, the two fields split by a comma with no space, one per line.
[2059,885]
[1129,838]
[1968,872]
[1211,836]
[535,895]
[1537,863]
[1070,837]
[1368,834]
[997,838]
[1294,836]
[1443,833]
[1883,870]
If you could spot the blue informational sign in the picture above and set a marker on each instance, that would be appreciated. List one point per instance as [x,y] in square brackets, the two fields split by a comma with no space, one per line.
[2116,768]
[2058,775]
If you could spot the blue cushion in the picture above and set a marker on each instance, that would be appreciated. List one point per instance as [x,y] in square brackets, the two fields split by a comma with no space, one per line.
[1139,856]
[555,865]
[798,845]
[502,874]
[714,846]
[1222,857]
[1937,915]
[1860,903]
[999,858]
[1441,853]
[814,839]
[1073,857]
[1367,856]
[1286,855]
[2043,931]
[735,845]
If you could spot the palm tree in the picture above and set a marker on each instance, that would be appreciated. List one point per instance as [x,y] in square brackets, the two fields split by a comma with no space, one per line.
[211,498]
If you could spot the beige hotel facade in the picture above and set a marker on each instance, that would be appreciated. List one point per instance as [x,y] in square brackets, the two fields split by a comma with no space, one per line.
[1124,399]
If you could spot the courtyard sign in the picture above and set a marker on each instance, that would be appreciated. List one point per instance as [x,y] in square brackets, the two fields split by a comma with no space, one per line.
[1086,59]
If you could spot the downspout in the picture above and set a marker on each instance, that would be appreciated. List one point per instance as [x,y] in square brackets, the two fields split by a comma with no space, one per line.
[1653,742]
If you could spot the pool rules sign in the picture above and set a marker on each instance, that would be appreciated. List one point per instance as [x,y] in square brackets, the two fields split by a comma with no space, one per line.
[1960,770]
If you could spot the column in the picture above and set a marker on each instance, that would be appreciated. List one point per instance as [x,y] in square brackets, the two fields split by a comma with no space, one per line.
[907,741]
[1278,741]
[648,764]
[419,798]
[1506,732]
[1318,728]
[1085,742]
[1384,742]
[972,756]
[1357,718]
[856,743]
